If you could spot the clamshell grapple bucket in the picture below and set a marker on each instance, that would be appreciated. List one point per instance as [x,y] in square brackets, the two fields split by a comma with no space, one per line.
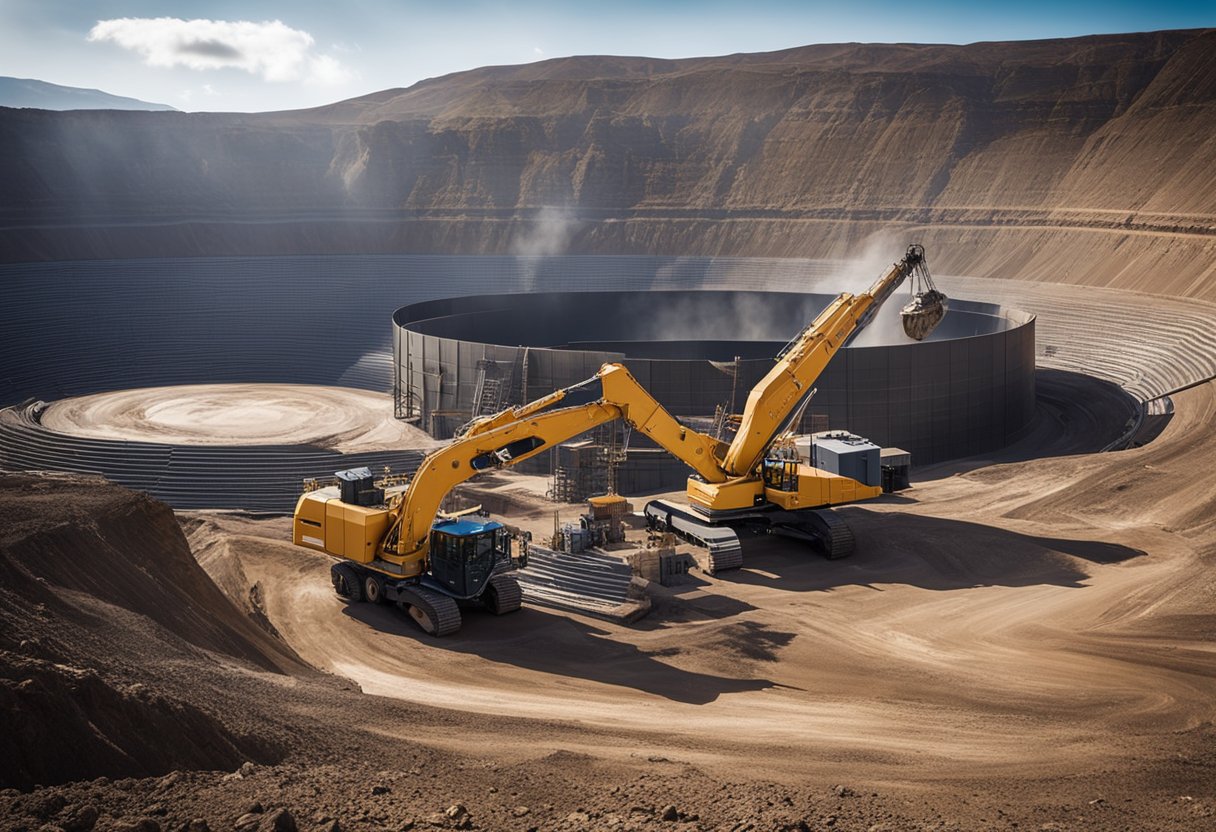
[923,313]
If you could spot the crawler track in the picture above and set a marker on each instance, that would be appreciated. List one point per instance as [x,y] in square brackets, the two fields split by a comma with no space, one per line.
[720,542]
[436,614]
[508,596]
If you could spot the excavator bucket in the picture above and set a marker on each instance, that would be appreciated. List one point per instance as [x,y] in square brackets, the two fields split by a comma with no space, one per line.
[923,313]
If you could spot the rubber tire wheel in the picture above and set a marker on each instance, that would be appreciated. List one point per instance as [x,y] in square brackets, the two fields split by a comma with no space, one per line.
[346,582]
[373,589]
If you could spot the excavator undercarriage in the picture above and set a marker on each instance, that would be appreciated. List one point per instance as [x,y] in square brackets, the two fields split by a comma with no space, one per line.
[720,536]
[435,611]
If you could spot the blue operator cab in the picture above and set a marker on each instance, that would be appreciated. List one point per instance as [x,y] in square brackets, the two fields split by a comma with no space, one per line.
[466,552]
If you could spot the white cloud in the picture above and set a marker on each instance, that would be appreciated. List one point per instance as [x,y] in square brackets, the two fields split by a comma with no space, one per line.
[329,71]
[270,49]
[537,50]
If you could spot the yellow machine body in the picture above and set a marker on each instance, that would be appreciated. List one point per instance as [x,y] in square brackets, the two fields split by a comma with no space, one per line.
[792,485]
[732,495]
[326,524]
[798,486]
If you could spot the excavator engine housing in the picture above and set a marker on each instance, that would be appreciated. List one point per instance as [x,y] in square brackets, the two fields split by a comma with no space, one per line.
[792,485]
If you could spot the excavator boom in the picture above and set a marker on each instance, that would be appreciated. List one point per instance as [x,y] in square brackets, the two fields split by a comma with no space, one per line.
[779,393]
[502,447]
[398,537]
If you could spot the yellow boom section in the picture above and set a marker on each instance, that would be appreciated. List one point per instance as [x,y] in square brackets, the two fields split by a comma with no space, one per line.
[778,394]
[515,434]
[498,447]
[640,409]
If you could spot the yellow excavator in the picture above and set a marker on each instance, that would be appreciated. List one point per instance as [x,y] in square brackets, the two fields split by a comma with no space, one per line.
[402,551]
[752,487]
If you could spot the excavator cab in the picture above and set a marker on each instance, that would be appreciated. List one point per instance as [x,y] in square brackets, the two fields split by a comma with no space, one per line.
[465,552]
[781,474]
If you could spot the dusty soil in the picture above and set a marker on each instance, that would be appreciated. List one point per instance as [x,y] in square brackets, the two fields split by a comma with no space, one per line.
[969,636]
[1018,645]
[338,418]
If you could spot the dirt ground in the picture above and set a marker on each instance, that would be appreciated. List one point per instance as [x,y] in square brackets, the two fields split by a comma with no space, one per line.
[1022,640]
[339,418]
[1018,644]
[972,634]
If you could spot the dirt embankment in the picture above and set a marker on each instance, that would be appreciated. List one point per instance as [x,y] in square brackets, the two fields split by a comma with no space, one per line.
[116,649]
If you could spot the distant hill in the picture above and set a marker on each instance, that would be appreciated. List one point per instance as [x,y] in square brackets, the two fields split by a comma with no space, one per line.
[26,92]
[1085,160]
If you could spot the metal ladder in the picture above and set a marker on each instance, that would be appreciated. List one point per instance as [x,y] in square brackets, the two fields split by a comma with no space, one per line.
[488,396]
[493,390]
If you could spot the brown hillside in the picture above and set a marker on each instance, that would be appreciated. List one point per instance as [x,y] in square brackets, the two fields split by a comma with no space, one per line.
[1040,160]
[99,595]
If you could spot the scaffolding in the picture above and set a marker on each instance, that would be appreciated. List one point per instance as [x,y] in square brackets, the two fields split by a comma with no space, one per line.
[587,467]
[405,406]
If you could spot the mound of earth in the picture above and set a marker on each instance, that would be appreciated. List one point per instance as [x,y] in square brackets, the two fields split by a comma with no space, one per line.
[103,607]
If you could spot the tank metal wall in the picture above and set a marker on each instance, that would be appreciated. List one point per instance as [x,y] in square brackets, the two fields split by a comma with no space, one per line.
[938,400]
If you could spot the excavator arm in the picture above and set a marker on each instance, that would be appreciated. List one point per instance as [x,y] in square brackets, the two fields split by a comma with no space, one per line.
[397,538]
[778,395]
[770,406]
[499,447]
[507,438]
[696,450]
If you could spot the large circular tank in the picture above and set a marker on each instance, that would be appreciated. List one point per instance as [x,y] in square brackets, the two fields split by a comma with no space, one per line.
[966,389]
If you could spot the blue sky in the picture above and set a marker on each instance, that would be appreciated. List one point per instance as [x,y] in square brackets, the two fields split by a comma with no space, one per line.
[232,56]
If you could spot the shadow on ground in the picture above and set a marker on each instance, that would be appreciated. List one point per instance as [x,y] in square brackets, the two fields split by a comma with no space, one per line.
[928,552]
[892,548]
[539,640]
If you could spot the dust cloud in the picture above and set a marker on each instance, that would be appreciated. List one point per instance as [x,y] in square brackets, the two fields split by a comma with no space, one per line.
[548,235]
[754,317]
